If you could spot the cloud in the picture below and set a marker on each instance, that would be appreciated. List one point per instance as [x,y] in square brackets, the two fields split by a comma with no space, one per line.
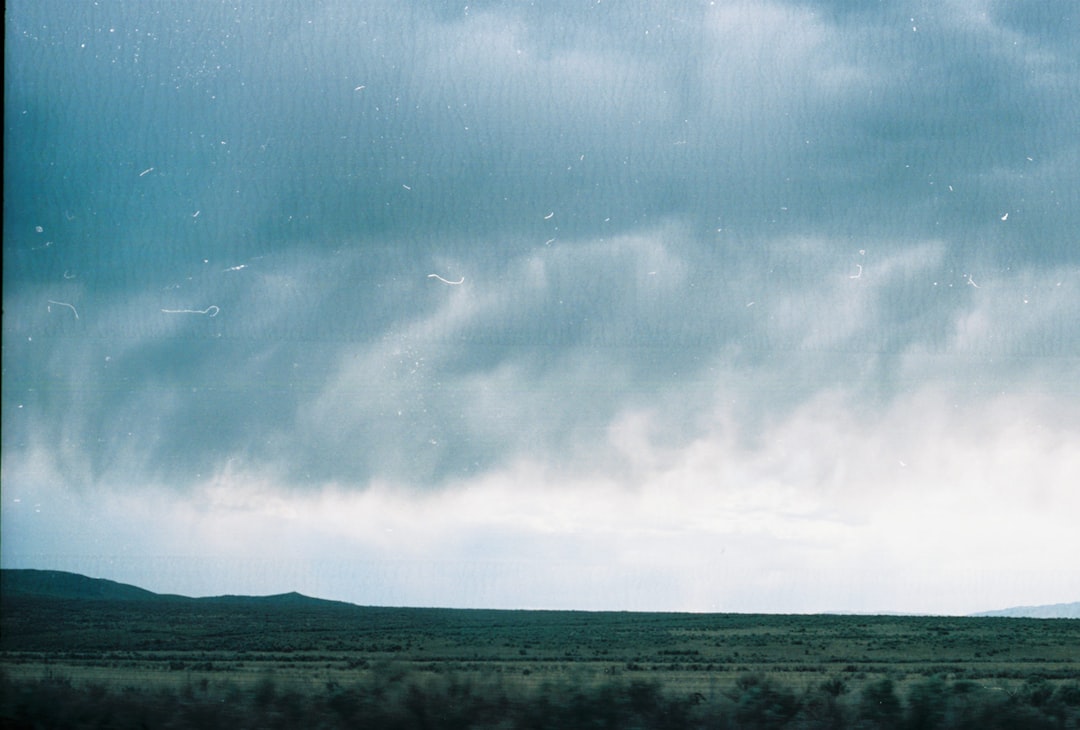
[306,364]
[752,253]
[825,500]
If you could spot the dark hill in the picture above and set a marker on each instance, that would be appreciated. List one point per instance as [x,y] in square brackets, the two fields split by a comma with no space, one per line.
[60,584]
[287,600]
[56,611]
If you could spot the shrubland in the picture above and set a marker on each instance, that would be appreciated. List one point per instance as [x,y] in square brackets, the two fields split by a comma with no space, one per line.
[236,663]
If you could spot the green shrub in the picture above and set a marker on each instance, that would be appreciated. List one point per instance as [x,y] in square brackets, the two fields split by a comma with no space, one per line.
[761,703]
[1068,694]
[926,704]
[879,705]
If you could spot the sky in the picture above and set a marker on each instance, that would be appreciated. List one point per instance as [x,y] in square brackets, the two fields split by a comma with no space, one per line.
[720,306]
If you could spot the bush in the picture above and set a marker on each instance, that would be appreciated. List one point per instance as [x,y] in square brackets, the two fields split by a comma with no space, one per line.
[879,705]
[822,709]
[926,704]
[760,703]
[1068,694]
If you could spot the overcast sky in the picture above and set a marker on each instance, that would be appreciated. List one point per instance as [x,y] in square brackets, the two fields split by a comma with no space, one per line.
[707,306]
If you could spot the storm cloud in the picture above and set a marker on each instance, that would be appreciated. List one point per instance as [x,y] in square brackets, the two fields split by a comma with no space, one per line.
[810,270]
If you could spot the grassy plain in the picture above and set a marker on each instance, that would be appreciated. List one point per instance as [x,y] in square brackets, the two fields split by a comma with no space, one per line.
[801,671]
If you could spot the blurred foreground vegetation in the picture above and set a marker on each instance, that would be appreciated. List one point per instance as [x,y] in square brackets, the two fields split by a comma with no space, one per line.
[399,698]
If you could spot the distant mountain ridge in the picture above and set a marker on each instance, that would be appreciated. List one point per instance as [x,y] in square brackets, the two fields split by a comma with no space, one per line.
[59,584]
[30,583]
[1055,610]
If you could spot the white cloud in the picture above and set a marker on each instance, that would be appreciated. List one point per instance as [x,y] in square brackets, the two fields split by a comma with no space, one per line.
[930,505]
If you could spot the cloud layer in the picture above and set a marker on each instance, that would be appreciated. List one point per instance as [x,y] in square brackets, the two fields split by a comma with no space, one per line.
[786,281]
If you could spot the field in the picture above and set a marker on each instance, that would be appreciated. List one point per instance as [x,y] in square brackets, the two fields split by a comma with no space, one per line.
[291,661]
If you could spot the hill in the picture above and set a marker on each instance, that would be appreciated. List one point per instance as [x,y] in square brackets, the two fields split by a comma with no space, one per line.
[1055,610]
[58,584]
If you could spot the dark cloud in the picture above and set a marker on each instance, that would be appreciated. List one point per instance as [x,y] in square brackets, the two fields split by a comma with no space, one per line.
[649,209]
